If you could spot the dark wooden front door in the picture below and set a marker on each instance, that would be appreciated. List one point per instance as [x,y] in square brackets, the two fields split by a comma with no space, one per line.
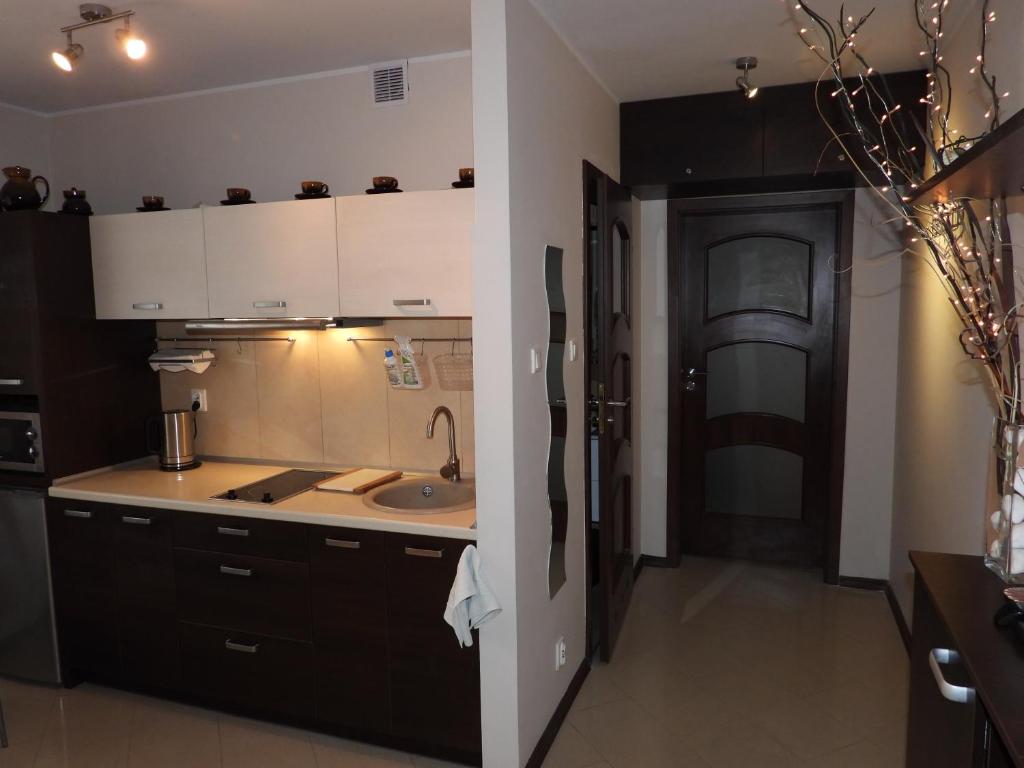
[753,286]
[609,438]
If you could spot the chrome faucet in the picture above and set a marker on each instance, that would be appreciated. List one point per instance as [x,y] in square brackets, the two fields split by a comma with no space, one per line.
[451,470]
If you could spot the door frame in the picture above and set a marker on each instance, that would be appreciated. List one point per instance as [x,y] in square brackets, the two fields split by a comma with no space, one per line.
[844,202]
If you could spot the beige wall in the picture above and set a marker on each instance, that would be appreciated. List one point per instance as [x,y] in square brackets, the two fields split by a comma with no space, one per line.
[268,138]
[25,141]
[324,399]
[538,114]
[944,415]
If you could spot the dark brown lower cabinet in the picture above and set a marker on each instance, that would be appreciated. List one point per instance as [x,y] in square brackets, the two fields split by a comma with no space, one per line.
[84,584]
[435,684]
[263,675]
[966,675]
[147,622]
[344,633]
[347,574]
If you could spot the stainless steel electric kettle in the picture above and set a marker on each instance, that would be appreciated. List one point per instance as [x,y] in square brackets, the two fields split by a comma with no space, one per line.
[172,436]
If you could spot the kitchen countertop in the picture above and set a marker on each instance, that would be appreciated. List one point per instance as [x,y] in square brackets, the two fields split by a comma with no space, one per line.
[142,484]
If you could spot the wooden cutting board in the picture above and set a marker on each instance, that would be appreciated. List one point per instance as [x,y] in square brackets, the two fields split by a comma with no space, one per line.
[358,480]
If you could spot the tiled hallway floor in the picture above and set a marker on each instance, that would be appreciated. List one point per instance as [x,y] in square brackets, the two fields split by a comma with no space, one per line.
[724,664]
[720,665]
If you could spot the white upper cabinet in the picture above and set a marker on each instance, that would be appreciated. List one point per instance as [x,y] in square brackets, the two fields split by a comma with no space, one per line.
[149,265]
[272,259]
[406,255]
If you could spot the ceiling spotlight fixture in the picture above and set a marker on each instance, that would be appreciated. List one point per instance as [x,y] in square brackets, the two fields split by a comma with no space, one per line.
[66,59]
[94,13]
[134,47]
[746,63]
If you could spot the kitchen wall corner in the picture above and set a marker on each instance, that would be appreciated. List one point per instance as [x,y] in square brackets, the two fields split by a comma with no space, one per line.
[324,399]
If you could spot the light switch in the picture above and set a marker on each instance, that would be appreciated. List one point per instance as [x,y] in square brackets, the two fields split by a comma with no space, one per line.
[572,351]
[534,360]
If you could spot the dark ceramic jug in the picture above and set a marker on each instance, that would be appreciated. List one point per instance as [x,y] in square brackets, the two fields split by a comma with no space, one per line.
[19,192]
[75,202]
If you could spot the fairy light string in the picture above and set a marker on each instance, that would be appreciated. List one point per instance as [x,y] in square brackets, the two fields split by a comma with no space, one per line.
[969,252]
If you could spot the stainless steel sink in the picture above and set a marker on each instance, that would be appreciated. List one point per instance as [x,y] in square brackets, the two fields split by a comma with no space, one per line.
[422,496]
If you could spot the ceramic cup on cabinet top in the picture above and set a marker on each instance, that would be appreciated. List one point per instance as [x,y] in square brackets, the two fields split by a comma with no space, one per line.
[238,194]
[385,182]
[315,188]
[75,202]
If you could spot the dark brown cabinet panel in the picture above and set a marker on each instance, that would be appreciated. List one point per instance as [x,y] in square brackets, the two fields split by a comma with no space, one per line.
[723,143]
[347,573]
[248,594]
[941,731]
[17,306]
[343,631]
[84,585]
[250,672]
[955,599]
[797,141]
[241,536]
[435,684]
[690,139]
[146,618]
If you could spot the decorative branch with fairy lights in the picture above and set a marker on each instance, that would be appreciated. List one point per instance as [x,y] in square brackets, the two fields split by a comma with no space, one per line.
[966,241]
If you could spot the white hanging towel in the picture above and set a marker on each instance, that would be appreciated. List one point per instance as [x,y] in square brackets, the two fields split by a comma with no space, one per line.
[471,601]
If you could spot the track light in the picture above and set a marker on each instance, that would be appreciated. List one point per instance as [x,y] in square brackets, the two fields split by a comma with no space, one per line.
[134,46]
[746,63]
[94,13]
[66,59]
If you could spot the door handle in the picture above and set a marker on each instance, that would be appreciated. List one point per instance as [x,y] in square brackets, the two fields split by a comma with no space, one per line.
[130,520]
[233,645]
[84,514]
[619,403]
[690,378]
[959,694]
[341,543]
[411,302]
[417,552]
[231,571]
[11,382]
[223,531]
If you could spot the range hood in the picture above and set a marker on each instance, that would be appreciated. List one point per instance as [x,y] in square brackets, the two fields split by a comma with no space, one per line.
[279,323]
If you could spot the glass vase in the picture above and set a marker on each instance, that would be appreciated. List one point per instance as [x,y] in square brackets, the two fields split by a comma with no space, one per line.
[1004,523]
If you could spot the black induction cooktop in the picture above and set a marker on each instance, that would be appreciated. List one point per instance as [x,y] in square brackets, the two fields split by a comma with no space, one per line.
[271,490]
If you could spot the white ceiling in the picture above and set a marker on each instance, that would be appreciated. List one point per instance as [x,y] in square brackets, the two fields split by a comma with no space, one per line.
[646,49]
[200,44]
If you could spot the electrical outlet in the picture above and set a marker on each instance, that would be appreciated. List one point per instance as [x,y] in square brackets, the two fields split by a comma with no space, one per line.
[560,654]
[199,396]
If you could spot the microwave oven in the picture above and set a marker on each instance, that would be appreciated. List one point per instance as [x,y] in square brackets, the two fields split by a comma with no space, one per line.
[21,443]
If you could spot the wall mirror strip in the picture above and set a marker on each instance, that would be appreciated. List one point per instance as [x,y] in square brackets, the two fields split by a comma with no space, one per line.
[558,499]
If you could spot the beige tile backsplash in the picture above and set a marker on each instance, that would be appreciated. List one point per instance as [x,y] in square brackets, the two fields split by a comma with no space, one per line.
[323,399]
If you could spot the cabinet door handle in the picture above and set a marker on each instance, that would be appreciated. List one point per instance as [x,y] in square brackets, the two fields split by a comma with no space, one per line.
[230,571]
[342,543]
[11,382]
[130,520]
[269,304]
[959,694]
[223,531]
[233,645]
[148,305]
[85,514]
[416,552]
[411,302]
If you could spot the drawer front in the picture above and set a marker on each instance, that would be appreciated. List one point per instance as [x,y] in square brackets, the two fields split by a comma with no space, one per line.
[147,619]
[941,733]
[248,594]
[434,683]
[254,673]
[240,536]
[84,583]
[347,572]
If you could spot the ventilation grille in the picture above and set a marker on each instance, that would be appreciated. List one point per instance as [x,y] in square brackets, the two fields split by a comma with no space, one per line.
[389,82]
